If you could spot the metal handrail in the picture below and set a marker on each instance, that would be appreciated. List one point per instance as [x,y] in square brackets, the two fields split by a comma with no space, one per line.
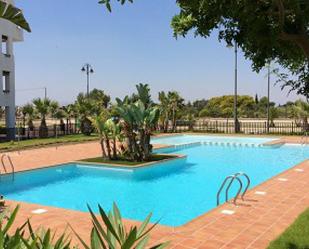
[248,183]
[11,164]
[304,138]
[220,189]
[228,188]
[231,178]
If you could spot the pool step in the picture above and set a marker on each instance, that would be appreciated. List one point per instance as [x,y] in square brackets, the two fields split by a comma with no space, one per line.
[212,143]
[187,145]
[232,144]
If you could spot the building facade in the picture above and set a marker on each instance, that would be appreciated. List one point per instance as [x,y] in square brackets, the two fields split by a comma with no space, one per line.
[9,33]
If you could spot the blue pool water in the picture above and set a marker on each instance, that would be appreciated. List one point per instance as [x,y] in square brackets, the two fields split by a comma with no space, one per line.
[175,191]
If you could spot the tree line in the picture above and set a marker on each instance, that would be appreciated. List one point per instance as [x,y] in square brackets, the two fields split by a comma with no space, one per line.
[171,107]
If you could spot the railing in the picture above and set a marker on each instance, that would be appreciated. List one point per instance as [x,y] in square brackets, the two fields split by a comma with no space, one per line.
[230,180]
[10,162]
[246,127]
[304,139]
[29,133]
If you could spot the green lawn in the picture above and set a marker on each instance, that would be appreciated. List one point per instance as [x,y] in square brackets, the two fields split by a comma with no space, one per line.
[296,236]
[25,144]
[123,161]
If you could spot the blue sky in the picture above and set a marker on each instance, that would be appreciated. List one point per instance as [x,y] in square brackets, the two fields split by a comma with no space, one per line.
[132,44]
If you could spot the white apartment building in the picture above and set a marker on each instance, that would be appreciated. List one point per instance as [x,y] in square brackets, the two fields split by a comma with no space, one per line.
[9,33]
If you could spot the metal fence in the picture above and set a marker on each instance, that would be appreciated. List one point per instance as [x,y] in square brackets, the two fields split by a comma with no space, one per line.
[245,127]
[204,126]
[28,133]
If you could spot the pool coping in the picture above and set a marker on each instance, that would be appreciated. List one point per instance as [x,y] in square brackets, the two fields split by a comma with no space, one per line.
[141,165]
[180,234]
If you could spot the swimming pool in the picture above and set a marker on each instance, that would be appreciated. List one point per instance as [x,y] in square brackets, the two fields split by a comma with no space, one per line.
[175,191]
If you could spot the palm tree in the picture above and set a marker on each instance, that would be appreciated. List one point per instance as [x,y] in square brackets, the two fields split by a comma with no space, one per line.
[53,108]
[43,108]
[70,112]
[29,114]
[164,111]
[84,108]
[14,15]
[175,103]
[109,133]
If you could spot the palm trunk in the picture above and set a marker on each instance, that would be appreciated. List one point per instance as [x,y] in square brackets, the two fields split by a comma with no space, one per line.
[114,148]
[174,120]
[305,124]
[103,148]
[108,148]
[147,147]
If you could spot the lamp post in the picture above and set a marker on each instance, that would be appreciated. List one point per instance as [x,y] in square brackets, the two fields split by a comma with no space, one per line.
[268,96]
[89,70]
[236,124]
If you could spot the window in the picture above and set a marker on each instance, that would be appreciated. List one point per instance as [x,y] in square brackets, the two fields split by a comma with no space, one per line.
[6,81]
[4,45]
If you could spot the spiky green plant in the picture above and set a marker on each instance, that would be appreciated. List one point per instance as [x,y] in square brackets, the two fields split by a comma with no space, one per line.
[109,232]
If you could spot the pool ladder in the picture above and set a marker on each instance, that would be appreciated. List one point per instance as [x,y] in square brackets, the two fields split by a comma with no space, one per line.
[9,160]
[304,139]
[230,180]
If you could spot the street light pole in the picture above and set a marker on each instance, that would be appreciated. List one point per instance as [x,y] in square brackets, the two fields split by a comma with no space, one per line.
[236,128]
[45,92]
[268,96]
[88,69]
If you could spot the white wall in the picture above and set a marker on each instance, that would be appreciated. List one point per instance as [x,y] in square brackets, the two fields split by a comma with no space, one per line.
[7,64]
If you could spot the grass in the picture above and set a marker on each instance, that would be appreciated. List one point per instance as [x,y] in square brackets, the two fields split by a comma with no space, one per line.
[25,144]
[123,161]
[296,236]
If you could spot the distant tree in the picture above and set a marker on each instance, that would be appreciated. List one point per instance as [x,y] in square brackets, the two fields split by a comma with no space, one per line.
[262,107]
[223,107]
[273,114]
[100,99]
[199,104]
[301,112]
[256,99]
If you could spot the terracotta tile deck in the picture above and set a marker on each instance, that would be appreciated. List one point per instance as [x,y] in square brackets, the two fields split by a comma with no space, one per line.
[256,221]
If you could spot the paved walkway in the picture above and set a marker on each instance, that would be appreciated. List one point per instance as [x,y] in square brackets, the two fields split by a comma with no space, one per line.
[268,210]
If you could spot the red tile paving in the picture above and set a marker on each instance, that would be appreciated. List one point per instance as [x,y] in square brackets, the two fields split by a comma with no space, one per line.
[257,221]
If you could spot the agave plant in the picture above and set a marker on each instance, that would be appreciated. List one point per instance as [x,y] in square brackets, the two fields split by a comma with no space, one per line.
[45,239]
[34,240]
[110,232]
